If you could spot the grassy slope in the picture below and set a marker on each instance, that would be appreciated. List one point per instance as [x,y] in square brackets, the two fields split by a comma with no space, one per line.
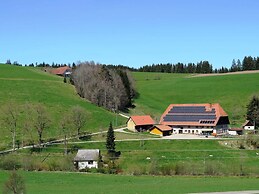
[158,90]
[94,183]
[25,84]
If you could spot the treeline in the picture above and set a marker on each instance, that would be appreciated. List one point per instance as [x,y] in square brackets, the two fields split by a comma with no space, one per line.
[248,63]
[201,67]
[107,86]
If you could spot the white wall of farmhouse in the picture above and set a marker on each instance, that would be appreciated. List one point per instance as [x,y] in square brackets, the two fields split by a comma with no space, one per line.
[249,127]
[87,164]
[191,130]
[200,130]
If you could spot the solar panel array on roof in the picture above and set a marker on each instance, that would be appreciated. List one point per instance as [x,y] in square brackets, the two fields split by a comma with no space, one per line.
[188,118]
[190,109]
[191,114]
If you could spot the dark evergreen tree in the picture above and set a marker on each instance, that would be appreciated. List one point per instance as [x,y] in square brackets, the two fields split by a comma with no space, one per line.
[233,66]
[239,65]
[248,63]
[110,140]
[253,111]
[257,63]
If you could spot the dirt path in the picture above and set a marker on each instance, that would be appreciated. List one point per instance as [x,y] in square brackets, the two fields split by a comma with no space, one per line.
[222,74]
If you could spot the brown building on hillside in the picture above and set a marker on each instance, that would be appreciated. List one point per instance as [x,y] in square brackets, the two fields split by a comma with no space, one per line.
[62,71]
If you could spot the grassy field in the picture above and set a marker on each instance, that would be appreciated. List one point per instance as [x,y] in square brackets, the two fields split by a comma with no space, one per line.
[58,182]
[165,157]
[31,85]
[158,90]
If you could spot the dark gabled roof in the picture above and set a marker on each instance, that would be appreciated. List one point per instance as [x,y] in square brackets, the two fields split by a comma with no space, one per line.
[87,154]
[142,120]
[194,115]
[248,123]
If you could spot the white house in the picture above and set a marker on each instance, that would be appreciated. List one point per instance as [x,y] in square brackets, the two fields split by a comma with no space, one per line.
[196,119]
[248,125]
[87,158]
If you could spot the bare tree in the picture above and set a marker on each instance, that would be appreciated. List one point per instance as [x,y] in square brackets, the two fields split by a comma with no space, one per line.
[65,127]
[10,118]
[41,120]
[27,128]
[15,184]
[78,118]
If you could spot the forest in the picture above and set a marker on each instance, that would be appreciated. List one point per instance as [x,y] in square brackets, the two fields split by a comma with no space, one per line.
[107,86]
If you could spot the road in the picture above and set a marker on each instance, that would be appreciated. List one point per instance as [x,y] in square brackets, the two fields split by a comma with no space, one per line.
[233,192]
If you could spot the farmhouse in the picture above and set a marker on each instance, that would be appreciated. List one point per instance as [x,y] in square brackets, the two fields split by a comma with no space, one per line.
[162,130]
[140,123]
[87,158]
[196,118]
[248,125]
[62,71]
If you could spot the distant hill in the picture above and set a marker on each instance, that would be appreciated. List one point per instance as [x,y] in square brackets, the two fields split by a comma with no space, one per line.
[31,85]
[158,90]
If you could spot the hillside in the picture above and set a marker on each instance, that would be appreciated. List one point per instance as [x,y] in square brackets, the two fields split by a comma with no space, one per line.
[31,85]
[158,90]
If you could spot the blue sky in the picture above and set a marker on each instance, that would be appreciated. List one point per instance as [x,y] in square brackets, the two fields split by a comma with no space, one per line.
[129,32]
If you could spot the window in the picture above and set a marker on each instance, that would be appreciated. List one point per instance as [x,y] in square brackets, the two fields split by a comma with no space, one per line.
[90,162]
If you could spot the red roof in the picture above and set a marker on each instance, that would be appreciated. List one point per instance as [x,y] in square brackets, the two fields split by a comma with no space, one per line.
[219,112]
[61,70]
[142,120]
[162,127]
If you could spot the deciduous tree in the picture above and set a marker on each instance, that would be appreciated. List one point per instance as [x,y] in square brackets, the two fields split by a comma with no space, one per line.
[41,120]
[10,119]
[15,184]
[78,118]
[65,127]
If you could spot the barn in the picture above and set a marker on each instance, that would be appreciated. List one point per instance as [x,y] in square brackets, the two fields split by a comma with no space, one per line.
[196,119]
[140,123]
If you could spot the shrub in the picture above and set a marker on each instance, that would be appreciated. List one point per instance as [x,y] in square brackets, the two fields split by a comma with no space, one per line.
[9,162]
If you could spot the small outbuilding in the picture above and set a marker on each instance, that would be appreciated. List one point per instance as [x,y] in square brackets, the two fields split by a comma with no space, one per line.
[140,123]
[87,158]
[235,131]
[162,130]
[248,125]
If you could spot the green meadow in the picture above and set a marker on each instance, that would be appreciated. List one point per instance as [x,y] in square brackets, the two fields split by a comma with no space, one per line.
[158,90]
[21,85]
[167,157]
[59,182]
